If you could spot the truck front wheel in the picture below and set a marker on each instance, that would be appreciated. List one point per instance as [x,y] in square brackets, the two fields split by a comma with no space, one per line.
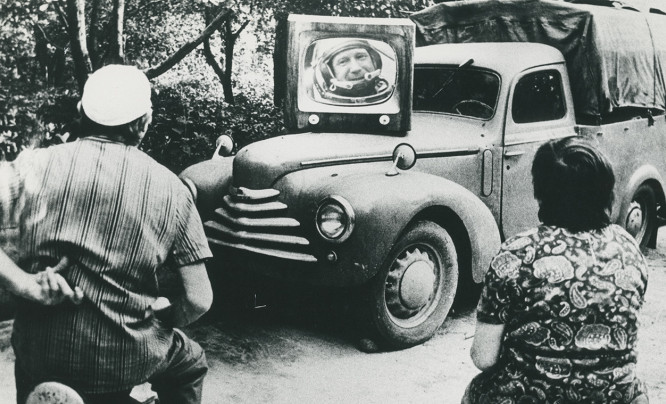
[412,294]
[641,216]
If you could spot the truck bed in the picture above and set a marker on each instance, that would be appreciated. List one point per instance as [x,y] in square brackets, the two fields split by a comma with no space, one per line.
[615,57]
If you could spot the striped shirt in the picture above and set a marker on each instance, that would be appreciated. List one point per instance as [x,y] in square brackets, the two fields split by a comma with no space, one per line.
[118,215]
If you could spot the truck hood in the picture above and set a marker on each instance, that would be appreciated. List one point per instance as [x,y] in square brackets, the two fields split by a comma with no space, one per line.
[260,164]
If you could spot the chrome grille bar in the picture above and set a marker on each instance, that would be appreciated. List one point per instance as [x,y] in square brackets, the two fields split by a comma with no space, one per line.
[267,251]
[254,220]
[254,194]
[250,207]
[246,235]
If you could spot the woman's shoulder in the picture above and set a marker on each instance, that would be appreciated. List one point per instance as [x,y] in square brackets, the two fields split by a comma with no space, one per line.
[530,238]
[619,232]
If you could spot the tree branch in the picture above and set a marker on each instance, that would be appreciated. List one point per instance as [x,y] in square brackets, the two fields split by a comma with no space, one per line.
[210,59]
[62,15]
[47,37]
[172,60]
[237,33]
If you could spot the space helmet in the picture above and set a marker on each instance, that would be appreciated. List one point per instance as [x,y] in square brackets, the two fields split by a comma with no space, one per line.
[371,88]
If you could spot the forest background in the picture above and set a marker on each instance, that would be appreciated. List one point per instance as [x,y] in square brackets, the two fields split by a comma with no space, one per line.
[211,63]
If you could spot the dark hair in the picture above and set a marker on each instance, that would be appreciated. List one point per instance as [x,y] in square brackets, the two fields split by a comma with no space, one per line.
[573,183]
[125,133]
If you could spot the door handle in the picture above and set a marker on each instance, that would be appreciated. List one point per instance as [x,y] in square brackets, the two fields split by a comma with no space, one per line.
[514,153]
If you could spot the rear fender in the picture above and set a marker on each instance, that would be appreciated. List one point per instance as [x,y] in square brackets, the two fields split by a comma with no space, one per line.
[645,173]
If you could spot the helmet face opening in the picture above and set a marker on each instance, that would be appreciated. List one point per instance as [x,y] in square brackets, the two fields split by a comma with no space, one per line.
[350,72]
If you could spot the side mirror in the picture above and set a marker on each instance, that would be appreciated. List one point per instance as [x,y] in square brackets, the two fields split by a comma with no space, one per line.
[404,158]
[224,146]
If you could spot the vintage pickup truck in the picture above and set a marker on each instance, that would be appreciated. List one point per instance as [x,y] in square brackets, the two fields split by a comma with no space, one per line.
[414,211]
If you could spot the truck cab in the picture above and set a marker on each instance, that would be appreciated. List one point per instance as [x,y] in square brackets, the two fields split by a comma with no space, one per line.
[504,107]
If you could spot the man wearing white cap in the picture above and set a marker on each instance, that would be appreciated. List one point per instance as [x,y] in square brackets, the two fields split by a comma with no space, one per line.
[118,216]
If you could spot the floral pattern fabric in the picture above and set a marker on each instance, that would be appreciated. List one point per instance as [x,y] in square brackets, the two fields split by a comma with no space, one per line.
[569,303]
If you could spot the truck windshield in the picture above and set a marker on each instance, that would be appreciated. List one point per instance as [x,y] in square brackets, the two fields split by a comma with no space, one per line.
[453,90]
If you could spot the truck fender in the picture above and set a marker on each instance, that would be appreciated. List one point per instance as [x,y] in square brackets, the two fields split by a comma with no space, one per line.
[394,201]
[211,179]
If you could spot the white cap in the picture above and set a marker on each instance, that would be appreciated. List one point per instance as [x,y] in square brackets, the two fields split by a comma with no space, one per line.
[115,95]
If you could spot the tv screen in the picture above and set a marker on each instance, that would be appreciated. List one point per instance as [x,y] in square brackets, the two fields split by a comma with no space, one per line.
[348,72]
[351,74]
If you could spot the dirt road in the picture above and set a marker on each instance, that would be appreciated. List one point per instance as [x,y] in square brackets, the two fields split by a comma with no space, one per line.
[306,357]
[306,353]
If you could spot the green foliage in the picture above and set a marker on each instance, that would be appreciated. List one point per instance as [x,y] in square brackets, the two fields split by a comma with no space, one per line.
[350,8]
[36,119]
[32,112]
[189,111]
[187,121]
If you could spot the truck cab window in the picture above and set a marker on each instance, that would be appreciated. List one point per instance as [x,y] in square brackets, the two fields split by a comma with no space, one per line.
[467,92]
[539,97]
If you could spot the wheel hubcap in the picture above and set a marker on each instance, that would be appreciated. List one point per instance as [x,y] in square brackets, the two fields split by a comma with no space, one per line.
[416,285]
[635,219]
[410,284]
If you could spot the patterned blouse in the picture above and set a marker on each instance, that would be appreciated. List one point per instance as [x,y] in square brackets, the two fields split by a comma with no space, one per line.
[569,303]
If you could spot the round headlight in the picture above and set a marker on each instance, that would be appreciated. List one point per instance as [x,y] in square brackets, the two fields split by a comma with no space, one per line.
[335,219]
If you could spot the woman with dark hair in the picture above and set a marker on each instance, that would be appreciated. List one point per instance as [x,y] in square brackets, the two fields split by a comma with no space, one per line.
[557,318]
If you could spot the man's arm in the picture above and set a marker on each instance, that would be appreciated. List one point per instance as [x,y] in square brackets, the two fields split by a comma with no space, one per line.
[196,299]
[47,287]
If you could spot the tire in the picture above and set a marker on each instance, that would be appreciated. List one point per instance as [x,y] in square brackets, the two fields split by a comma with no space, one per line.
[411,295]
[640,219]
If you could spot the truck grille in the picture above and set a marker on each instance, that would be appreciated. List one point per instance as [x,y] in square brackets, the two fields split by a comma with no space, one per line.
[255,221]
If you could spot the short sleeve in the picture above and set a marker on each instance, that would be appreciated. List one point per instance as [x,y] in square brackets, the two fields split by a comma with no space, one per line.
[190,244]
[11,188]
[495,300]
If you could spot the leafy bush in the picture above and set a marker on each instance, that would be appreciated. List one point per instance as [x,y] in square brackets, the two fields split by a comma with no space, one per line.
[187,120]
[35,119]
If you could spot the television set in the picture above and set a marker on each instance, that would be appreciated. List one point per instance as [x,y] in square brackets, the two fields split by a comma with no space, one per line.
[349,74]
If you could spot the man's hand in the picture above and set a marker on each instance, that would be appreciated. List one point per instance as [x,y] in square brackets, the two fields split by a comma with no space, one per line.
[48,287]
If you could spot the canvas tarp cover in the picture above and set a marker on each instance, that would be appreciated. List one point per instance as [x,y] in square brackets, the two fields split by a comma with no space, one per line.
[610,53]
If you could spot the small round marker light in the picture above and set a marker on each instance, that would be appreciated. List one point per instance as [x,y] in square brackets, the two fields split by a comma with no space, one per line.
[332,256]
[313,119]
[384,120]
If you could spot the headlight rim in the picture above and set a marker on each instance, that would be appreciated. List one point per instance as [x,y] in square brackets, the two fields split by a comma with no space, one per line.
[346,208]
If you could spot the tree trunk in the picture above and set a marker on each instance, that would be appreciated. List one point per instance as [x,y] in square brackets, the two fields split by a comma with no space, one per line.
[229,44]
[229,39]
[280,60]
[77,20]
[93,43]
[58,67]
[210,59]
[41,52]
[117,54]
